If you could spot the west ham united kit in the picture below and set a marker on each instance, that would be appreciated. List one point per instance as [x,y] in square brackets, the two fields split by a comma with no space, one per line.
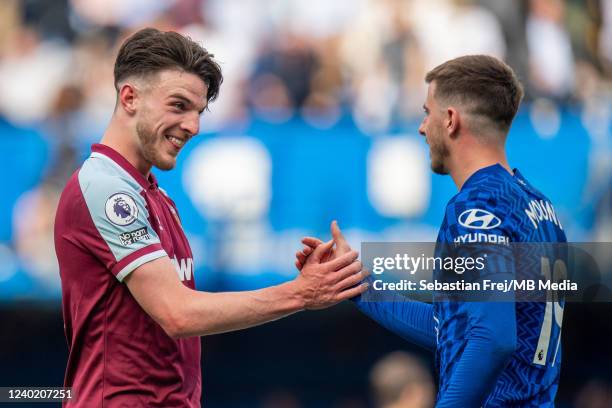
[110,220]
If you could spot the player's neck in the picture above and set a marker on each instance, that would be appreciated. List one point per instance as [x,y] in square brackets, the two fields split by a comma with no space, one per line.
[468,164]
[119,139]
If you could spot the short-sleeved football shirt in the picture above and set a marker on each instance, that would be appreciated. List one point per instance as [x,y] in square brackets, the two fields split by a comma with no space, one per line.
[111,220]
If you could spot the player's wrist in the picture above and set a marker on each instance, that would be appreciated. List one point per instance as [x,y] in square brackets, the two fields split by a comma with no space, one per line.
[299,294]
[294,294]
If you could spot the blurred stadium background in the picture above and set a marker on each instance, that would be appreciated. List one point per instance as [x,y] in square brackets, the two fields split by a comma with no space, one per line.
[317,120]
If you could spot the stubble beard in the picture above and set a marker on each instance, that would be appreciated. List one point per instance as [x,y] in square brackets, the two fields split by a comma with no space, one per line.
[148,141]
[439,155]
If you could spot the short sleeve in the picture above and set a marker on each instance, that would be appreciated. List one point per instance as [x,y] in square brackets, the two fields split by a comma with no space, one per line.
[123,238]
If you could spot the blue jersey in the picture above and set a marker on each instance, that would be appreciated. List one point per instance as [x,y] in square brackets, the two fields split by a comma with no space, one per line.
[494,206]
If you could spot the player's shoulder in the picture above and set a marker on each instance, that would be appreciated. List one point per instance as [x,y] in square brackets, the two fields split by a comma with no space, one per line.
[491,188]
[99,174]
[489,201]
[101,188]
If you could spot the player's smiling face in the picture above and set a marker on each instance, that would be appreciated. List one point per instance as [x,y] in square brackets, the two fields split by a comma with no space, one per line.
[433,129]
[169,115]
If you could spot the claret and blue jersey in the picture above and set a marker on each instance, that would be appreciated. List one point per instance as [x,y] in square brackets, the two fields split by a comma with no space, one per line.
[110,220]
[493,353]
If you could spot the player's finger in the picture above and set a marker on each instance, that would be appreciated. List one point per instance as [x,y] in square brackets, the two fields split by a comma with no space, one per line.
[311,242]
[351,280]
[352,292]
[347,271]
[307,250]
[343,260]
[301,258]
[320,252]
[339,239]
[298,265]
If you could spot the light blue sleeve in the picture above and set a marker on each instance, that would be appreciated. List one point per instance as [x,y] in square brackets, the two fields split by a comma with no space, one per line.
[120,215]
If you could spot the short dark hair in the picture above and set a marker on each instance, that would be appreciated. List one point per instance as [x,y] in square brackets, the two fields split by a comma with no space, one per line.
[486,84]
[149,51]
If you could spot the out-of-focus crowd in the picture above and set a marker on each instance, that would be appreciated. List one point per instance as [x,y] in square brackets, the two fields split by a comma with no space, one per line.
[318,57]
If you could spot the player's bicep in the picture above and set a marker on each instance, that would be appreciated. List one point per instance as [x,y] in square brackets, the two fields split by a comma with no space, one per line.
[158,290]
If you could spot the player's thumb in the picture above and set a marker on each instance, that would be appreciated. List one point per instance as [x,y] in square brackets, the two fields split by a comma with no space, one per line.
[339,239]
[320,252]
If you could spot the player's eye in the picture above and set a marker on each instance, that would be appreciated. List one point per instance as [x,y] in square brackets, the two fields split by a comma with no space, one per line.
[179,105]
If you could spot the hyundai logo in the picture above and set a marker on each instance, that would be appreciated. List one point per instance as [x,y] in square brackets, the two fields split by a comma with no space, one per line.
[478,219]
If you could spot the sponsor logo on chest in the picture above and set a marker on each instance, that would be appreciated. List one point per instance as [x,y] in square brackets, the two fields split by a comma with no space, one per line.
[478,219]
[481,237]
[184,268]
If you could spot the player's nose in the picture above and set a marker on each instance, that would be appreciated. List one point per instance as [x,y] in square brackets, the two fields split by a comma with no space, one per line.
[191,124]
[422,128]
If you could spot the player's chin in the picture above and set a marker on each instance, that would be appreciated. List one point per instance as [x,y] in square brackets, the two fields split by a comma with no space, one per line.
[438,168]
[165,163]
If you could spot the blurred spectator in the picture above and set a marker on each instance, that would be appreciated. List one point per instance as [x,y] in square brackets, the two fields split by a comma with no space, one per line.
[551,60]
[450,28]
[33,225]
[61,126]
[605,36]
[40,63]
[10,22]
[283,74]
[401,380]
[280,399]
[117,12]
[323,105]
[595,394]
[51,18]
[511,16]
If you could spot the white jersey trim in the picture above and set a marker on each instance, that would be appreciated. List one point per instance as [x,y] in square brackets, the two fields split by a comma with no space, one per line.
[138,262]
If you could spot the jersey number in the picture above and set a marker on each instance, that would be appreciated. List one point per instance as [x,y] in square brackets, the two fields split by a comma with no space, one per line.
[554,311]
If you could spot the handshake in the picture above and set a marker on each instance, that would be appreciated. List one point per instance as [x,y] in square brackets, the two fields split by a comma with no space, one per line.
[329,271]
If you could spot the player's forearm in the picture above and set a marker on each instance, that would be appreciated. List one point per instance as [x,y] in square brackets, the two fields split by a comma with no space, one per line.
[204,313]
[409,319]
[184,312]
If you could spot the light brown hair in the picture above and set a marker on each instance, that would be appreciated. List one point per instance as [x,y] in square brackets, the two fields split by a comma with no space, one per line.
[149,51]
[485,85]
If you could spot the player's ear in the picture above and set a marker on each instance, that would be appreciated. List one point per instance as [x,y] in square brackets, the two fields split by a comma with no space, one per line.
[128,96]
[452,121]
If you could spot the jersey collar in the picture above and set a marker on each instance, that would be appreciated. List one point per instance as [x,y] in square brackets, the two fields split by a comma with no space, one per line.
[485,172]
[122,162]
[523,181]
[519,176]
